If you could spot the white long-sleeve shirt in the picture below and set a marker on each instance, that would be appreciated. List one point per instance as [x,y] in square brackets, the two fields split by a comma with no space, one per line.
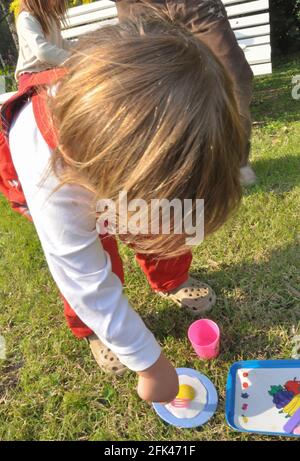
[37,51]
[75,256]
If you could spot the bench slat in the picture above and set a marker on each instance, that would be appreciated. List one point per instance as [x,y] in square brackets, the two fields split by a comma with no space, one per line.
[87,28]
[262,69]
[250,21]
[89,8]
[258,54]
[246,8]
[95,16]
[264,39]
[252,31]
[230,2]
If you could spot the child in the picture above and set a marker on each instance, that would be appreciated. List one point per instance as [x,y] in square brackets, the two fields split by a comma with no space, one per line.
[145,108]
[207,20]
[41,45]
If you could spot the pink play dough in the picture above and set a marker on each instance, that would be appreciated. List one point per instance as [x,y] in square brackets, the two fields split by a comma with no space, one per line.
[297,430]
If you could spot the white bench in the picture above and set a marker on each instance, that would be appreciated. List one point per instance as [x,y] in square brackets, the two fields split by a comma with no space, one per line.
[250,21]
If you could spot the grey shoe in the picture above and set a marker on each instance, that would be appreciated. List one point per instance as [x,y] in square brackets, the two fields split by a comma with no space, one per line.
[247,176]
[105,358]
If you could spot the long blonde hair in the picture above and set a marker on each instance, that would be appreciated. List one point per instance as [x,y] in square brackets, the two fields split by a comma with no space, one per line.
[46,12]
[147,108]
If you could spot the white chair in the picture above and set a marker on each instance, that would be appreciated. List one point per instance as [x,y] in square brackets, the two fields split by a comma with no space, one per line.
[250,21]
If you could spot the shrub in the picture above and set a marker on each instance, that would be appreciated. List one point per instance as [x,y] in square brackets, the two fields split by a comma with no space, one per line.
[285,26]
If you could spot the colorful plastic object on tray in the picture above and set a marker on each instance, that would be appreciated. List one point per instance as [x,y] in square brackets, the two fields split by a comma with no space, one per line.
[263,396]
[195,403]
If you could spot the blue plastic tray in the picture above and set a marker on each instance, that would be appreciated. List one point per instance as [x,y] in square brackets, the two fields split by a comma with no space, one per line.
[253,390]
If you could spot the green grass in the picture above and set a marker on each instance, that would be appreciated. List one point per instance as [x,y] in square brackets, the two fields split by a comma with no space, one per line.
[50,387]
[10,81]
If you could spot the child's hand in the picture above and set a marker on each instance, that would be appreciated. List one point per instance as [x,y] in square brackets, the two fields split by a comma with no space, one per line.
[159,383]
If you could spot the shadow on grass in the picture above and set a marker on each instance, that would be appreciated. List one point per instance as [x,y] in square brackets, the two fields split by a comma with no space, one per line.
[272,99]
[277,175]
[267,300]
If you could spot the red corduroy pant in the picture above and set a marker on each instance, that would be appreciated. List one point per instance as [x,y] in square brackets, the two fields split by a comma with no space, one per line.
[162,275]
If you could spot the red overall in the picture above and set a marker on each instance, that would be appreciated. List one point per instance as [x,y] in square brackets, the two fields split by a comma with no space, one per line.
[162,275]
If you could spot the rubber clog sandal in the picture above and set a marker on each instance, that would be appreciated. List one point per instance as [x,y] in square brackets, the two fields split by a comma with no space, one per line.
[105,358]
[195,296]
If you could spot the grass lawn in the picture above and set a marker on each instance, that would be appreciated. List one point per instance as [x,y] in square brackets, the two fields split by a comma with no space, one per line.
[50,387]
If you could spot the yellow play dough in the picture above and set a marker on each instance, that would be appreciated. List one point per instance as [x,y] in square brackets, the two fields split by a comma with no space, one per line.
[193,390]
[186,392]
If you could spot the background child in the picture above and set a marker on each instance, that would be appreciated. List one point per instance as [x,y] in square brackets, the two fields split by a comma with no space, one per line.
[145,108]
[208,21]
[41,45]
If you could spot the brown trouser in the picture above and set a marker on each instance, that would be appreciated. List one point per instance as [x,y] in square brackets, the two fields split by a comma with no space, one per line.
[207,19]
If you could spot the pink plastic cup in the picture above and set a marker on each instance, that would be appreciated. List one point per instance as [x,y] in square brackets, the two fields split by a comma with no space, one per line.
[204,336]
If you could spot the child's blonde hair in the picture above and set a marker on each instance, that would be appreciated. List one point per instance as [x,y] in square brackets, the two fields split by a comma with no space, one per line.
[147,108]
[46,11]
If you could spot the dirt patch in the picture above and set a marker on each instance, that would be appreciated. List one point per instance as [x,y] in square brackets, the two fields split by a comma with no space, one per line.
[9,379]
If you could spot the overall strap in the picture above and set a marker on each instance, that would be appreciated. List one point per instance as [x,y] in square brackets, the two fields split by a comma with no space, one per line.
[36,90]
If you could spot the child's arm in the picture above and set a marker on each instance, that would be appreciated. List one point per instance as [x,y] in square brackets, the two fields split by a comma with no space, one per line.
[81,269]
[159,383]
[31,32]
[79,266]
